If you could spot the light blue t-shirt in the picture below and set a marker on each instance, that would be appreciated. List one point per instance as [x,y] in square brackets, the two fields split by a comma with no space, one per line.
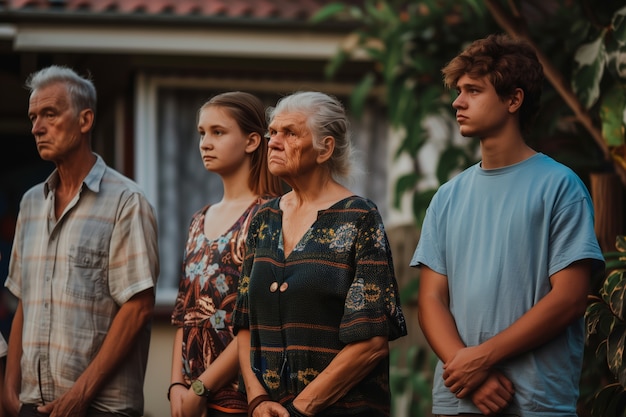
[498,235]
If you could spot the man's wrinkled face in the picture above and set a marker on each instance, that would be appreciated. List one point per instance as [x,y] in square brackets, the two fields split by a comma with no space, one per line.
[55,125]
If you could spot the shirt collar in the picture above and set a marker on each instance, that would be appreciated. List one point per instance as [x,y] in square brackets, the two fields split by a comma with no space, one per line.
[91,181]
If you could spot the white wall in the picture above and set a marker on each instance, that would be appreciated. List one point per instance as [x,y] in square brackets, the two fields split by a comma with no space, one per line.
[159,367]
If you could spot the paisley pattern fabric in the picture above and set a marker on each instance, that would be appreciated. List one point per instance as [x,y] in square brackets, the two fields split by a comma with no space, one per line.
[206,298]
[336,287]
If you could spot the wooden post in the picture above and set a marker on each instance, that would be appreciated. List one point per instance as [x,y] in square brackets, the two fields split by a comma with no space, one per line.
[607,194]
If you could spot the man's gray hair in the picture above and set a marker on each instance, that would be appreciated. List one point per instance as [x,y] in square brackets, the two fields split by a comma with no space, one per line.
[81,91]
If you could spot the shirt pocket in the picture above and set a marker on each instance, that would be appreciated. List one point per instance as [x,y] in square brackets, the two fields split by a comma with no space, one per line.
[86,273]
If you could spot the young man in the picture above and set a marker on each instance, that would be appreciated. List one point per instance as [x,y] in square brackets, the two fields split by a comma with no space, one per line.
[84,266]
[506,252]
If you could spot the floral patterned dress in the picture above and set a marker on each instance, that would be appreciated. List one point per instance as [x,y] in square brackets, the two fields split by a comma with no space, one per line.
[336,287]
[206,298]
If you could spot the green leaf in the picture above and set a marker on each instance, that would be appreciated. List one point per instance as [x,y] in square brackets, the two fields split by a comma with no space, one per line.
[612,115]
[620,243]
[374,9]
[617,404]
[402,102]
[601,351]
[616,61]
[408,291]
[618,23]
[360,93]
[404,183]
[387,14]
[449,161]
[392,60]
[619,253]
[590,59]
[477,6]
[598,320]
[616,263]
[421,200]
[603,398]
[615,352]
[328,12]
[614,292]
[335,63]
[415,135]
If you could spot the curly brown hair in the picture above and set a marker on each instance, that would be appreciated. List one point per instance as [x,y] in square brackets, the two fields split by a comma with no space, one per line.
[509,64]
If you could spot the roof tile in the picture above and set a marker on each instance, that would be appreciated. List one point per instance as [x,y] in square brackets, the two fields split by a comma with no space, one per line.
[253,9]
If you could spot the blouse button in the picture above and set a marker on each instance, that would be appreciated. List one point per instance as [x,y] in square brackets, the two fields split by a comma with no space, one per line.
[283,287]
[274,286]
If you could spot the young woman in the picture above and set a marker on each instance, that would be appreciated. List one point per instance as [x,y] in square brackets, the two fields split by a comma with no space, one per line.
[205,368]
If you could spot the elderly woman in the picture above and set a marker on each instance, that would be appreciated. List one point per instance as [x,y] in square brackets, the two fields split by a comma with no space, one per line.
[318,300]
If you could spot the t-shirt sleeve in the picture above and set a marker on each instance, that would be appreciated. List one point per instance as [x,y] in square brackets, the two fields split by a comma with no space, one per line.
[429,251]
[572,236]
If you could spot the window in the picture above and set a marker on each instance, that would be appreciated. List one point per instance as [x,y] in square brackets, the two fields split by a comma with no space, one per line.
[169,168]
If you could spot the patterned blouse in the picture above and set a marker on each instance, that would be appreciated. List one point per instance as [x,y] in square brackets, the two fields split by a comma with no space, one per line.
[205,301]
[336,287]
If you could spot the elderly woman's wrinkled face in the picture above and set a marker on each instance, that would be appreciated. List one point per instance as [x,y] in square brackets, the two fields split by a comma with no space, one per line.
[291,153]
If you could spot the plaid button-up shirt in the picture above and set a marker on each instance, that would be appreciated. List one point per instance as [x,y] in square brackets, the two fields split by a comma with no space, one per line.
[72,274]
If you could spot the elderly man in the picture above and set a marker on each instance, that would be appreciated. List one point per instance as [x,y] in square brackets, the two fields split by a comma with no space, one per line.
[84,266]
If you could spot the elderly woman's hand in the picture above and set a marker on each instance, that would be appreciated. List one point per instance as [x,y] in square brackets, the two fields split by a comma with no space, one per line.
[269,409]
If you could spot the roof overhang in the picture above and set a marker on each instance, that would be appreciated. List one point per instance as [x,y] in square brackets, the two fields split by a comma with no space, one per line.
[173,41]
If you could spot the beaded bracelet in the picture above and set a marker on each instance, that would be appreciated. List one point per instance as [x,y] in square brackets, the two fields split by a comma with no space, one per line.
[172,385]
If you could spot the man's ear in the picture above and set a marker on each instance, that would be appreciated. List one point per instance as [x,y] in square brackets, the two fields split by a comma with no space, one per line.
[85,118]
[516,100]
[327,150]
[253,142]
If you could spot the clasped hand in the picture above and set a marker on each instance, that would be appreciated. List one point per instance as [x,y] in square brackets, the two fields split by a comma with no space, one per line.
[466,371]
[274,409]
[468,374]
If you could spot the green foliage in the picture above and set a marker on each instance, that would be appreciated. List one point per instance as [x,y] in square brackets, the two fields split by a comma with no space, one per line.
[606,332]
[612,120]
[610,402]
[590,58]
[410,42]
[410,380]
[600,62]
